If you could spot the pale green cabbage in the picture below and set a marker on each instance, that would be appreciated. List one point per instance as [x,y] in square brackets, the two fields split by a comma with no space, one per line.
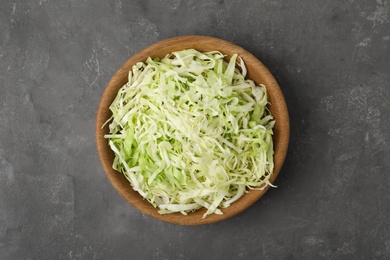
[189,131]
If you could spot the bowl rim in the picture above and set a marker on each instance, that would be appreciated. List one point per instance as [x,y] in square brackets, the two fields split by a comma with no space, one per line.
[256,71]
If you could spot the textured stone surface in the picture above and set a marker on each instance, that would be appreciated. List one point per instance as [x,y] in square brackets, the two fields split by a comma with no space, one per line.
[332,60]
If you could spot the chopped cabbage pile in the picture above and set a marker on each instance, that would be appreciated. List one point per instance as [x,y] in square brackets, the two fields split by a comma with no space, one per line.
[189,131]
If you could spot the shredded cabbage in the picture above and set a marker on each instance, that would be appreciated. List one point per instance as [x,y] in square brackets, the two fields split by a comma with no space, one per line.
[189,131]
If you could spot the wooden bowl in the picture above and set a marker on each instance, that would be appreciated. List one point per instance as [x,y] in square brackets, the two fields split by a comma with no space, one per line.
[256,71]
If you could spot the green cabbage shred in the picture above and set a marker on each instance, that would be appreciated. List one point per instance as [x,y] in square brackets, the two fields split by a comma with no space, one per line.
[189,131]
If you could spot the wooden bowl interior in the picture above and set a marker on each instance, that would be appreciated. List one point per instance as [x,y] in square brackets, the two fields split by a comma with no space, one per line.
[256,71]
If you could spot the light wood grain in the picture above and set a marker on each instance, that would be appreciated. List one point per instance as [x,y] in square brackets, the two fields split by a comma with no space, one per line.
[256,71]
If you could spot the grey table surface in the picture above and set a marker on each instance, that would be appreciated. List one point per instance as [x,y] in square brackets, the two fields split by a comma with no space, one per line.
[332,60]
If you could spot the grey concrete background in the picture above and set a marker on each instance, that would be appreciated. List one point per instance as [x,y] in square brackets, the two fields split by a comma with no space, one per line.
[332,60]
